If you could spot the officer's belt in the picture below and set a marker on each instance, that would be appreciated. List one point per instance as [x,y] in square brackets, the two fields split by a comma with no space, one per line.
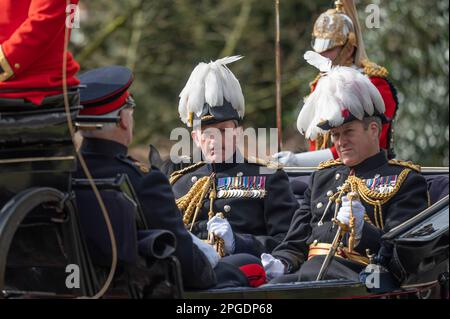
[323,249]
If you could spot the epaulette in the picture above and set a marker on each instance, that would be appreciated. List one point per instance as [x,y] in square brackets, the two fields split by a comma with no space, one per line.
[142,167]
[373,69]
[329,163]
[407,164]
[262,162]
[177,174]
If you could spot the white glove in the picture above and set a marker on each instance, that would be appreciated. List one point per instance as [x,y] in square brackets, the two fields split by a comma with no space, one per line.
[208,250]
[284,158]
[222,228]
[358,212]
[273,267]
[307,159]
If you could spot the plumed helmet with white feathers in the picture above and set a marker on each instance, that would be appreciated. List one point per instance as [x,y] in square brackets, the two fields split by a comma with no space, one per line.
[339,27]
[342,95]
[212,94]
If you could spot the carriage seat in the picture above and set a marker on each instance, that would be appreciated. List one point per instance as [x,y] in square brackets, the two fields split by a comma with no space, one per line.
[437,187]
[23,123]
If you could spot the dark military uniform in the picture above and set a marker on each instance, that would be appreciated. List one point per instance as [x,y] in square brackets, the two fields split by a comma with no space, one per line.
[258,205]
[106,159]
[306,235]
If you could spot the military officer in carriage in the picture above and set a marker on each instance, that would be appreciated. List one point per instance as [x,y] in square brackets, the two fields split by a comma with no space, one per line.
[337,35]
[227,199]
[107,95]
[352,201]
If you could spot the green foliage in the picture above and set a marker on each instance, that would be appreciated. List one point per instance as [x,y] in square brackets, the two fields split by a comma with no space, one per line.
[163,40]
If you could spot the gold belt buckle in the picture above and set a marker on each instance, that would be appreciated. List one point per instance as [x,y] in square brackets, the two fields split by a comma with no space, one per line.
[317,249]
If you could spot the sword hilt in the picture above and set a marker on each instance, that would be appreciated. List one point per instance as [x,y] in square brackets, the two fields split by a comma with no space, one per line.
[329,257]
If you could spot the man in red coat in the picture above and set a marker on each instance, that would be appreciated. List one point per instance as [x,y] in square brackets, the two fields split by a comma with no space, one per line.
[32,34]
[337,36]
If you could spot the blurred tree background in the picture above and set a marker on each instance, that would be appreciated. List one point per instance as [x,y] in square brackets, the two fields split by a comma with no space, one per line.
[162,41]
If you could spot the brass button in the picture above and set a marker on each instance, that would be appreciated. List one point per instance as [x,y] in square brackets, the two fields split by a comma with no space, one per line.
[227,208]
[319,205]
[194,179]
[315,242]
[330,193]
[338,176]
[17,66]
[240,174]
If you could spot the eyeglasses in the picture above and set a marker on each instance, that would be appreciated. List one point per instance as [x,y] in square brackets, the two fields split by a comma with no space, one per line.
[130,103]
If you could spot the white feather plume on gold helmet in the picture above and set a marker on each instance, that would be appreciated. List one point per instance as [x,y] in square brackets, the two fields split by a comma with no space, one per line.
[339,27]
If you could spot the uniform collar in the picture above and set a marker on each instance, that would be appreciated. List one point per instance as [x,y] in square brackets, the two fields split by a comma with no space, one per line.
[371,163]
[104,147]
[220,167]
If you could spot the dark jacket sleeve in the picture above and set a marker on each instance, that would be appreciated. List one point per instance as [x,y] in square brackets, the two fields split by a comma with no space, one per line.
[293,250]
[279,207]
[410,200]
[161,212]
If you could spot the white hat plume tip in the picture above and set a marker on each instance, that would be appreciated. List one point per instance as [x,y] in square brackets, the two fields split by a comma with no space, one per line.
[320,62]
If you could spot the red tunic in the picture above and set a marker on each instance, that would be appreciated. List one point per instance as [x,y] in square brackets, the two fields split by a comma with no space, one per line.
[390,104]
[32,47]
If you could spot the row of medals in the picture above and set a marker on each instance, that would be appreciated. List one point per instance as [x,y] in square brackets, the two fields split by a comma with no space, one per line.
[241,187]
[240,193]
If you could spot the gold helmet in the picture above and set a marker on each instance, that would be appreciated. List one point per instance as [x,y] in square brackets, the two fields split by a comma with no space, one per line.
[340,27]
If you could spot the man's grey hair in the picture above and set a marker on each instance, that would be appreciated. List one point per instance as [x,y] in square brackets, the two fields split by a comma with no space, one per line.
[367,120]
[106,127]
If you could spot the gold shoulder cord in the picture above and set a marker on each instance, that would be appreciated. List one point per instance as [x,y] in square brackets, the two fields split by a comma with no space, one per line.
[373,69]
[406,164]
[329,163]
[376,199]
[214,240]
[177,174]
[191,203]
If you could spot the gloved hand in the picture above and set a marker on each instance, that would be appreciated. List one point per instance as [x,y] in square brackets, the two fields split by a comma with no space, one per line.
[358,212]
[308,159]
[285,158]
[208,250]
[273,267]
[222,228]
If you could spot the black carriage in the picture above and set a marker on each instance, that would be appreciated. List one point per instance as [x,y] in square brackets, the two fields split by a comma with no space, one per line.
[47,237]
[53,245]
